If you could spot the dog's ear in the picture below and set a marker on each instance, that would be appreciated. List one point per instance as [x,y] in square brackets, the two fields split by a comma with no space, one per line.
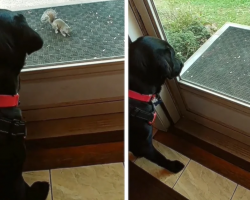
[30,40]
[164,62]
[6,45]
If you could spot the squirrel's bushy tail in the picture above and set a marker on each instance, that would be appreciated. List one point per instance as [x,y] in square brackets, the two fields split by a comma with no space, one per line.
[49,15]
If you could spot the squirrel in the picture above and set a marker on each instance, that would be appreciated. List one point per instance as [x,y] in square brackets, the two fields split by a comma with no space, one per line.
[49,16]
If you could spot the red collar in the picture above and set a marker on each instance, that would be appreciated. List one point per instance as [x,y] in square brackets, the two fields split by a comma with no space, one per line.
[7,101]
[141,97]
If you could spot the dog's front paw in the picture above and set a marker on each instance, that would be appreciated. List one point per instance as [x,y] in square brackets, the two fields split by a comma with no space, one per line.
[176,166]
[39,191]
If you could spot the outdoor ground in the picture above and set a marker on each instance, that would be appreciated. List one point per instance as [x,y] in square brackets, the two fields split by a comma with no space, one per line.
[179,17]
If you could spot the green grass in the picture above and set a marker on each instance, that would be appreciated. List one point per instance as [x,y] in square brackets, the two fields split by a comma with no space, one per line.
[177,16]
[208,11]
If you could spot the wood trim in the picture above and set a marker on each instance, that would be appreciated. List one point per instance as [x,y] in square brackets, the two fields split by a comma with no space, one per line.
[158,124]
[236,106]
[47,72]
[142,185]
[44,159]
[218,144]
[72,90]
[109,107]
[75,126]
[134,29]
[144,17]
[155,20]
[155,130]
[169,102]
[229,119]
[138,17]
[75,140]
[206,156]
[75,90]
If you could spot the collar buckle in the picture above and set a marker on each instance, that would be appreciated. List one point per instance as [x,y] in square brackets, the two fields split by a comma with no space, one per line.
[156,100]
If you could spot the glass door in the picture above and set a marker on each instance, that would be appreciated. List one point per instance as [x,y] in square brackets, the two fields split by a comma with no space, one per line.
[212,88]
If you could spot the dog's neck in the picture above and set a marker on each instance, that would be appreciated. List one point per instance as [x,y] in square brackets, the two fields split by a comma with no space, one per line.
[12,112]
[143,88]
[9,85]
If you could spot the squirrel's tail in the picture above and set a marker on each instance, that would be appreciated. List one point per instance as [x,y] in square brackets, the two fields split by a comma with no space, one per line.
[49,15]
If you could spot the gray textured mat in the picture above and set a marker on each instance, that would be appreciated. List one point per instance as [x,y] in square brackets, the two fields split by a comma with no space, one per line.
[97,33]
[225,66]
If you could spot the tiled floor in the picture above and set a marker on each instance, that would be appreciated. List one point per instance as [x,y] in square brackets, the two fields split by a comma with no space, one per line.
[97,182]
[158,172]
[195,182]
[31,177]
[105,182]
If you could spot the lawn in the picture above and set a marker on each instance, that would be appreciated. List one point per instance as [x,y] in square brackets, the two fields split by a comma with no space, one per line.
[185,21]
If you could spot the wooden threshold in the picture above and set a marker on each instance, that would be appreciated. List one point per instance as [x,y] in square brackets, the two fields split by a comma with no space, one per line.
[204,156]
[76,131]
[142,185]
[214,142]
[44,159]
[76,140]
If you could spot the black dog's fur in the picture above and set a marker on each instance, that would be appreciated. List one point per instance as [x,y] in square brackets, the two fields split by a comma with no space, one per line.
[151,62]
[17,40]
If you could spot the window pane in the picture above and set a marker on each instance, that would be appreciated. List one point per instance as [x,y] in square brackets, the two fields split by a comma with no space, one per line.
[97,30]
[224,66]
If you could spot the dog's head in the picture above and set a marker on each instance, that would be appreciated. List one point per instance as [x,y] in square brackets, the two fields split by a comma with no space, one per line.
[153,61]
[17,40]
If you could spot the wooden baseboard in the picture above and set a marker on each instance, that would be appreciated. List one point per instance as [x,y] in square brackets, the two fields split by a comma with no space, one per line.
[75,126]
[75,140]
[214,142]
[142,185]
[71,111]
[78,131]
[44,159]
[205,155]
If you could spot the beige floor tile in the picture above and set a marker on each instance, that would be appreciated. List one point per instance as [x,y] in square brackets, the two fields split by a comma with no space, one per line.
[241,193]
[98,182]
[198,182]
[159,172]
[31,177]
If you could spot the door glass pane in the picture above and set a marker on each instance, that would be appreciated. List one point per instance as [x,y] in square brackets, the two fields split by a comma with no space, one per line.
[222,64]
[97,30]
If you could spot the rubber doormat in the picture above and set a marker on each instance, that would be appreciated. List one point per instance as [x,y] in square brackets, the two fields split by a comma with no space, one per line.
[97,33]
[225,66]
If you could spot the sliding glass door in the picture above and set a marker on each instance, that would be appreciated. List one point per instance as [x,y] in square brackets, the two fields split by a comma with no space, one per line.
[213,88]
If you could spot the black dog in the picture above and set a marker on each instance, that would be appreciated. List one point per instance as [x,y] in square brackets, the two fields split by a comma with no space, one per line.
[17,40]
[151,62]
